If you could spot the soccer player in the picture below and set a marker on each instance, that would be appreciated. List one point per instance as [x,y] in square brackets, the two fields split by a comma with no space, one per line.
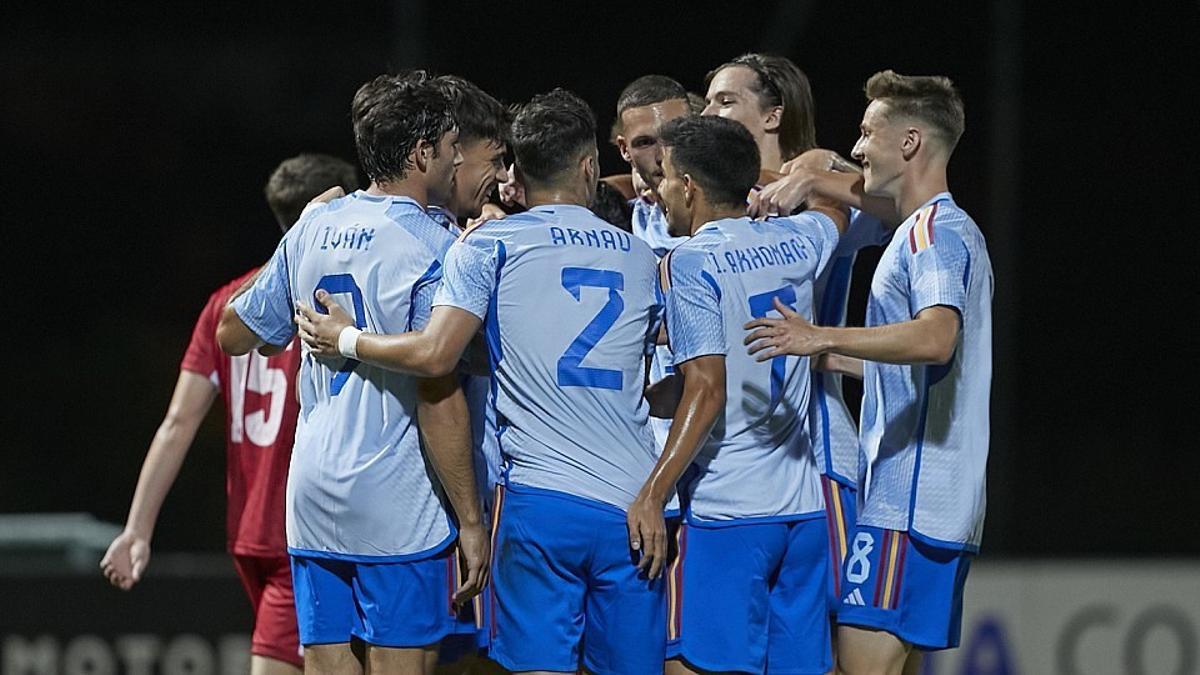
[926,377]
[260,421]
[752,560]
[369,536]
[772,98]
[569,305]
[483,129]
[643,107]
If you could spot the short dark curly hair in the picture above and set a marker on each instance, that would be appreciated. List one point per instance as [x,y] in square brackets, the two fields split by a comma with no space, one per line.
[478,114]
[718,153]
[390,114]
[298,179]
[550,132]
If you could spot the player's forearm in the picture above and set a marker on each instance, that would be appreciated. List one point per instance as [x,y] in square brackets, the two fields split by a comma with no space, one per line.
[842,365]
[920,341]
[847,188]
[163,461]
[415,353]
[445,425]
[701,403]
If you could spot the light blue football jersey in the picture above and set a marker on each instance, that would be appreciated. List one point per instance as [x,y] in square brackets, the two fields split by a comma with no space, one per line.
[571,307]
[925,428]
[358,487]
[649,224]
[831,427]
[758,463]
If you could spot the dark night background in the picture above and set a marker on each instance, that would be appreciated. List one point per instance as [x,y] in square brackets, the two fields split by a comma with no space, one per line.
[136,142]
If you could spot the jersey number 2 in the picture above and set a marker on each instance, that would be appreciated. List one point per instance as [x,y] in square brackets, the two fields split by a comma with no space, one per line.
[570,371]
[334,284]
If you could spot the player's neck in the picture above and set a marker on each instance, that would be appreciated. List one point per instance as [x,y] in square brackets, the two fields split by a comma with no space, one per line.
[770,156]
[408,187]
[920,187]
[703,214]
[575,195]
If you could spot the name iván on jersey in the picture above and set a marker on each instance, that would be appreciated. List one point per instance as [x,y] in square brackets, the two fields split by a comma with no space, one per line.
[353,238]
[741,260]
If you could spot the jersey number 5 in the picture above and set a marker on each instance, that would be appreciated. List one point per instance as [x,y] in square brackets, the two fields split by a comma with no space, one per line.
[570,371]
[334,284]
[759,306]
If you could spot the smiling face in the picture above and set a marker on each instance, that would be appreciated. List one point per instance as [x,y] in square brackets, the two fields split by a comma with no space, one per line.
[441,168]
[881,150]
[673,198]
[731,94]
[638,140]
[481,170]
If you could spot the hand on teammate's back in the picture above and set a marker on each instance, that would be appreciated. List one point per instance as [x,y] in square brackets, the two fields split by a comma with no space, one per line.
[792,334]
[320,331]
[489,211]
[125,560]
[475,554]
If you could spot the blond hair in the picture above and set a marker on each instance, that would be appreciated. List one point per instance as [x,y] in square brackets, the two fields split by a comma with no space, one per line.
[932,99]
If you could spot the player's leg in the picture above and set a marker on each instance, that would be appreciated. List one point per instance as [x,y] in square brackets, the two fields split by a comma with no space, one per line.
[405,611]
[912,664]
[625,620]
[725,602]
[402,661]
[900,595]
[870,651]
[275,644]
[265,665]
[799,637]
[538,583]
[325,614]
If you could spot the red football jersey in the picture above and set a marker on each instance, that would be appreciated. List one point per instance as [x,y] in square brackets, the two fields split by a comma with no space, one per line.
[260,424]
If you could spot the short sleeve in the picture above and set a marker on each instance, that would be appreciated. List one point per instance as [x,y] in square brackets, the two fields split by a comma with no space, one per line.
[695,325]
[938,265]
[202,351]
[470,274]
[821,232]
[266,307]
[423,294]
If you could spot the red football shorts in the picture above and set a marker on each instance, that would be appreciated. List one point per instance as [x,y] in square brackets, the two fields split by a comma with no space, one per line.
[268,582]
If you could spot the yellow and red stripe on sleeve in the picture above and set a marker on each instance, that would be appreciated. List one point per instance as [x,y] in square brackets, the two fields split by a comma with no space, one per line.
[920,237]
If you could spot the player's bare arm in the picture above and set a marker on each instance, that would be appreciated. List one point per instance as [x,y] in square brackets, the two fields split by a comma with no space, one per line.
[623,183]
[702,400]
[445,426]
[841,365]
[432,352]
[234,336]
[930,338]
[805,184]
[129,554]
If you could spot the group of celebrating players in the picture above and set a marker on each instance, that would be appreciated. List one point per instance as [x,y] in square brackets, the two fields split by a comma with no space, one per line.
[572,444]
